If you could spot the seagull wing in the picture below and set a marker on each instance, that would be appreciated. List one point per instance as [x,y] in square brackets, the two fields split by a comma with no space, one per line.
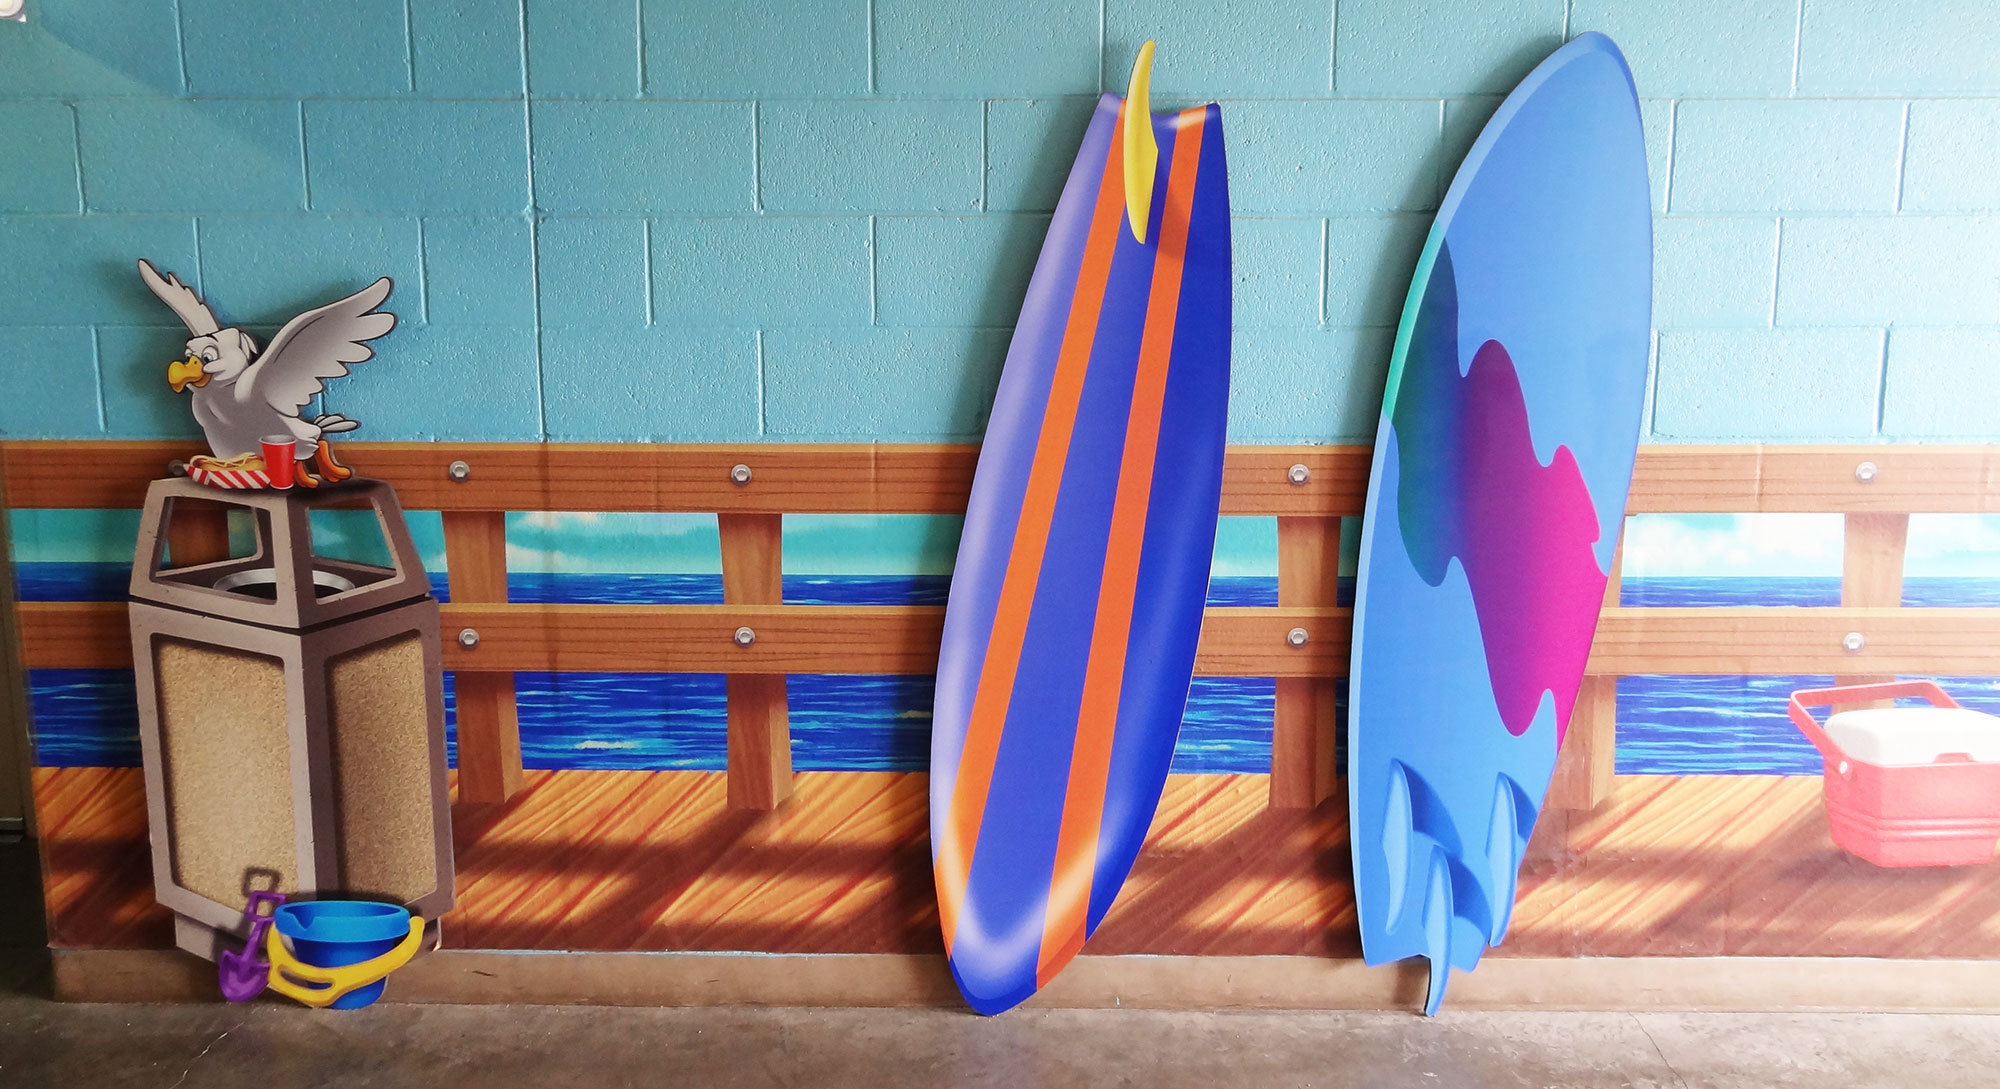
[194,313]
[315,346]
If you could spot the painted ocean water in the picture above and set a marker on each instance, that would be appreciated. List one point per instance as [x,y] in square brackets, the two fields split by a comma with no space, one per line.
[1666,724]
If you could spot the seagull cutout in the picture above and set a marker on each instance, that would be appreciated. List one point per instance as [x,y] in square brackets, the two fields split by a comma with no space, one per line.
[243,397]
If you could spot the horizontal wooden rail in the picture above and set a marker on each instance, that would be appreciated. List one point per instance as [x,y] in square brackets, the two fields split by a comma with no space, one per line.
[934,479]
[1815,479]
[1235,641]
[1790,640]
[1306,487]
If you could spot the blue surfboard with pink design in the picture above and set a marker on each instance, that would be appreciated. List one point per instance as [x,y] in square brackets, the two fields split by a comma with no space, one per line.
[1076,602]
[1503,456]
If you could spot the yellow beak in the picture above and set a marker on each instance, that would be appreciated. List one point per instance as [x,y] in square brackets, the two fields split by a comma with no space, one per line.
[183,373]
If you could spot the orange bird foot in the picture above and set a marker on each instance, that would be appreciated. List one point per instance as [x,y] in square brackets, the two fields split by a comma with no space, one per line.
[330,466]
[302,474]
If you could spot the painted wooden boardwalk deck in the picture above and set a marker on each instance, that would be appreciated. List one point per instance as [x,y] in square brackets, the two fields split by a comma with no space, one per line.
[1668,866]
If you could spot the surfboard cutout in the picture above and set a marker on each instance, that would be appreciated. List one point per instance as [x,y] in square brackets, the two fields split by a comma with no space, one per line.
[1076,602]
[1502,460]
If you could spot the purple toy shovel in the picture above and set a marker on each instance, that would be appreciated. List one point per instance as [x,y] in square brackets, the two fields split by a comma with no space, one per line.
[244,975]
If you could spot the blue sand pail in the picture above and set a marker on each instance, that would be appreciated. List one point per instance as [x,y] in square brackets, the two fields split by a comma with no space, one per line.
[336,933]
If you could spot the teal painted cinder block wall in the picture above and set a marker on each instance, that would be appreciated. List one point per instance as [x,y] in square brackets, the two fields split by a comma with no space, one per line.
[680,221]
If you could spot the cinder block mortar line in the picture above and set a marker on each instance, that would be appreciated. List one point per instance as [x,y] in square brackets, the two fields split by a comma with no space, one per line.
[1667,170]
[312,98]
[1325,256]
[1777,265]
[894,97]
[871,47]
[305,168]
[1333,49]
[424,270]
[180,45]
[409,48]
[521,51]
[639,40]
[1653,384]
[76,157]
[1443,172]
[1798,43]
[646,259]
[97,376]
[535,244]
[757,341]
[1102,79]
[1902,156]
[756,158]
[1882,386]
[1900,96]
[200,272]
[1766,213]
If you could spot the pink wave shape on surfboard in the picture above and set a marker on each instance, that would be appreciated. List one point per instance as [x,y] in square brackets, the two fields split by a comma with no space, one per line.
[1472,488]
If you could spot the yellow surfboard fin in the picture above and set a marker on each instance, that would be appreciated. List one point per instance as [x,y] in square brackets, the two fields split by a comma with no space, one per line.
[1141,151]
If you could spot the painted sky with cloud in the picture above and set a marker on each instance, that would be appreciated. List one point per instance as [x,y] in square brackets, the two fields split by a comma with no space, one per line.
[110,536]
[1738,545]
[814,544]
[1799,545]
[1656,545]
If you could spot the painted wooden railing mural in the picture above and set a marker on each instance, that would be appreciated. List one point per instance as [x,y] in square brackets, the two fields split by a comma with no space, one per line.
[1302,642]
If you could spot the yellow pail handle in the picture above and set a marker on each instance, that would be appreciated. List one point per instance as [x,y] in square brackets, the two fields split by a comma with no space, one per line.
[321,987]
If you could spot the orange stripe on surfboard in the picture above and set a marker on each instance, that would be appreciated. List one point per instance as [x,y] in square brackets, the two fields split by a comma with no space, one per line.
[1024,560]
[1104,671]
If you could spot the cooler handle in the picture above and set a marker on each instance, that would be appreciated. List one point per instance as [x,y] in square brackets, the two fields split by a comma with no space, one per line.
[1855,693]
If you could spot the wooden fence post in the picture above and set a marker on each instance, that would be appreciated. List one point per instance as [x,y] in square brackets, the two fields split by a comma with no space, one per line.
[1588,762]
[489,724]
[1871,572]
[1302,765]
[760,736]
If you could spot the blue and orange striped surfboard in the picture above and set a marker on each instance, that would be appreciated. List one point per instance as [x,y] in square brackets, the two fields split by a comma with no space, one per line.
[1069,639]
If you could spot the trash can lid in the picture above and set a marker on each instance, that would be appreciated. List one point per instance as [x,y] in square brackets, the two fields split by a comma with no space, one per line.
[1913,736]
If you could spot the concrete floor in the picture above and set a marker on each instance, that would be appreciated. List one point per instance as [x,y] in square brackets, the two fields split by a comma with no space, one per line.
[440,1047]
[269,1044]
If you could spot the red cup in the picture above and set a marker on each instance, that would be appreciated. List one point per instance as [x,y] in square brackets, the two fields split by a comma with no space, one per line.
[280,451]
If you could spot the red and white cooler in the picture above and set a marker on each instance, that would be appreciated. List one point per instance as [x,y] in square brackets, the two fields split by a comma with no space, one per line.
[1907,786]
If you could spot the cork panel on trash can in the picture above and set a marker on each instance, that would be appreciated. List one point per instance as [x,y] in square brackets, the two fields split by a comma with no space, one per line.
[226,735]
[379,697]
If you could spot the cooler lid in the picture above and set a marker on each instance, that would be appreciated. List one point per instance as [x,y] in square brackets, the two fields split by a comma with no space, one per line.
[1899,737]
